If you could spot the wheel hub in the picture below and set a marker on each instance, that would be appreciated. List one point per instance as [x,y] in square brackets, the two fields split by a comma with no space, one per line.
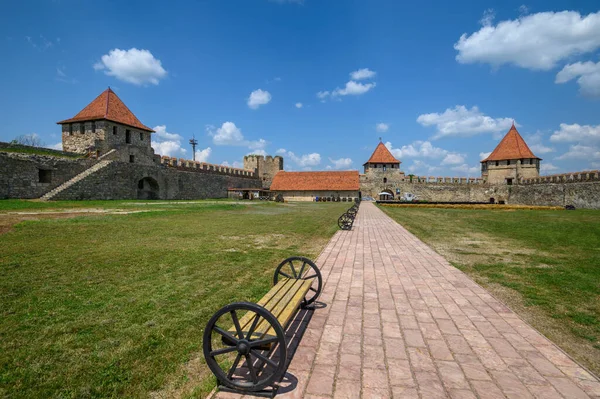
[243,347]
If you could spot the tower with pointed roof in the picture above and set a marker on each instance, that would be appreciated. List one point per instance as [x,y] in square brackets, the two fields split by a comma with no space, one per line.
[106,124]
[511,161]
[382,173]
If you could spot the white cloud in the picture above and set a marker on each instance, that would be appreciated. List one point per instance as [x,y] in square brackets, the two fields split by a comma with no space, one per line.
[257,152]
[322,95]
[587,74]
[353,89]
[132,66]
[230,134]
[466,170]
[417,149]
[382,127]
[421,168]
[488,17]
[342,163]
[167,144]
[535,41]
[463,122]
[363,73]
[258,97]
[304,161]
[576,132]
[57,146]
[234,164]
[484,155]
[523,9]
[535,143]
[203,155]
[580,152]
[299,105]
[546,167]
[453,159]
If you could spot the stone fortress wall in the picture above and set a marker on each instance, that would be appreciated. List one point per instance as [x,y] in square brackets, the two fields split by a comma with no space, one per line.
[264,167]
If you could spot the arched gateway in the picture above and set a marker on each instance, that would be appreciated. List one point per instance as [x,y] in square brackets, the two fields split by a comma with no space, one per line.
[147,188]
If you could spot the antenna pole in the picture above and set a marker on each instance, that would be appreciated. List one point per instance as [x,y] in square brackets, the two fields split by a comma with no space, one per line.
[194,143]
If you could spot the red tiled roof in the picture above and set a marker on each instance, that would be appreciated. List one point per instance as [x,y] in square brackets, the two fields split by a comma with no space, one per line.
[108,106]
[512,146]
[382,155]
[315,181]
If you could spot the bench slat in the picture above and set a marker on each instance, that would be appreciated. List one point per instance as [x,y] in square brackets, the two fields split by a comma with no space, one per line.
[282,301]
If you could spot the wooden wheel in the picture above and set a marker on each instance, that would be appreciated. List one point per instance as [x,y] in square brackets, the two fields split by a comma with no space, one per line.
[345,222]
[299,267]
[240,358]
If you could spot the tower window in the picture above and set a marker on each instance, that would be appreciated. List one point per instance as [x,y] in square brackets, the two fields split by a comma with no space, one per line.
[509,182]
[114,130]
[508,162]
[128,136]
[384,168]
[93,127]
[70,129]
[82,128]
[497,163]
[141,136]
[385,179]
[132,158]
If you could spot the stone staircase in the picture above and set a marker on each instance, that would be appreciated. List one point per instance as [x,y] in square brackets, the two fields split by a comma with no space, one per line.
[52,193]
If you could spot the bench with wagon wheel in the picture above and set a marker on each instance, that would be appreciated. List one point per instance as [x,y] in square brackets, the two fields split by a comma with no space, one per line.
[251,355]
[346,221]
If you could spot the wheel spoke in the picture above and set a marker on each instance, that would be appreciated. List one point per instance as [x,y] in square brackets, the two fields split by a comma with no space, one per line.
[262,342]
[309,277]
[302,270]
[253,327]
[235,364]
[265,359]
[285,274]
[222,351]
[225,334]
[293,269]
[236,322]
[251,369]
[312,289]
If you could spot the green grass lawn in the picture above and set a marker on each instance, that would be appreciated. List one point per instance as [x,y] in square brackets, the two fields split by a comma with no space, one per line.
[544,264]
[115,305]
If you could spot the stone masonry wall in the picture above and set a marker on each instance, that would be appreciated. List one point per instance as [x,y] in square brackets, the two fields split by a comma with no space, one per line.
[120,180]
[580,194]
[20,173]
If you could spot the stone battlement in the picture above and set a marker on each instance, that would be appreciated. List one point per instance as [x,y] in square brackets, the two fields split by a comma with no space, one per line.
[192,166]
[589,175]
[444,180]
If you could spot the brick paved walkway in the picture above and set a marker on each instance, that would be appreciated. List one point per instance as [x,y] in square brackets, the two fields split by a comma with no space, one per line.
[401,322]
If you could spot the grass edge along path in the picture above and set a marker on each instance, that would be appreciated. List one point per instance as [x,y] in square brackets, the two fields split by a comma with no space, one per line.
[114,305]
[543,264]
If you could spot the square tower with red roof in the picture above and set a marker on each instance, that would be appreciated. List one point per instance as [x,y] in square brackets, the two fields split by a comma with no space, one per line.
[106,124]
[382,174]
[511,161]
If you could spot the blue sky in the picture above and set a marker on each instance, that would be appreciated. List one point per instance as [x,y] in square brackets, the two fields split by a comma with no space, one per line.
[316,81]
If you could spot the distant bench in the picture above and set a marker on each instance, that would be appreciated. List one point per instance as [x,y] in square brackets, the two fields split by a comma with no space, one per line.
[252,354]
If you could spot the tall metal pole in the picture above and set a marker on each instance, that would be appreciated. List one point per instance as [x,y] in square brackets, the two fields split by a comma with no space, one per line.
[194,143]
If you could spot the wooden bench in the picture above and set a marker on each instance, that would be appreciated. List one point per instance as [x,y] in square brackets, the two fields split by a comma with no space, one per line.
[251,354]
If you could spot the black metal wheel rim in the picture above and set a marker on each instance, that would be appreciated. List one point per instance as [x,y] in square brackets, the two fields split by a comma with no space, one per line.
[239,360]
[299,267]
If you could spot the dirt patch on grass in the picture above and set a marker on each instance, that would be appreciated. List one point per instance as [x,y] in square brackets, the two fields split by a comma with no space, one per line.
[10,219]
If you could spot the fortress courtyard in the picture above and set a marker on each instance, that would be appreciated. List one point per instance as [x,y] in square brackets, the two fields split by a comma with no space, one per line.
[110,298]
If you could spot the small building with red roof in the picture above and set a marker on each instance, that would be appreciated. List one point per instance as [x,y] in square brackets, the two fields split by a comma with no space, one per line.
[310,186]
[511,161]
[106,124]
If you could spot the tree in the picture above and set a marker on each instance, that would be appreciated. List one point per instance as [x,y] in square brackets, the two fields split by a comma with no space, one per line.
[32,140]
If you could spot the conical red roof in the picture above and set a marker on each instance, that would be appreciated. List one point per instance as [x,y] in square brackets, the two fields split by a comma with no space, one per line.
[110,107]
[512,146]
[382,155]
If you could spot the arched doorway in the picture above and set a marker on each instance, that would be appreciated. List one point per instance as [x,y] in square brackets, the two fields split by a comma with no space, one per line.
[386,195]
[147,189]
